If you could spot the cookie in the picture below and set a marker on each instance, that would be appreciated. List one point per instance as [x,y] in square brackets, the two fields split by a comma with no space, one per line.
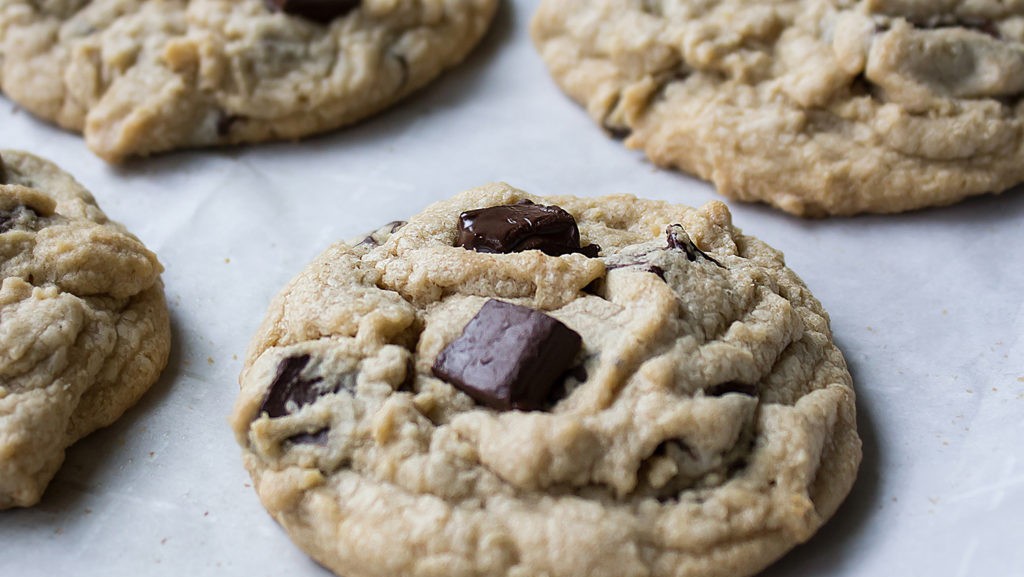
[510,385]
[84,329]
[140,77]
[818,107]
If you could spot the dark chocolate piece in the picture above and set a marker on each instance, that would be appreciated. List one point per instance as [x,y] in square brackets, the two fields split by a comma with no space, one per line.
[321,11]
[369,240]
[732,387]
[289,387]
[519,227]
[3,171]
[679,240]
[509,357]
[640,265]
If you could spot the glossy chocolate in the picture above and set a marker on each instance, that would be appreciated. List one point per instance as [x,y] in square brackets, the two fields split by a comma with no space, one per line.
[321,11]
[509,357]
[520,227]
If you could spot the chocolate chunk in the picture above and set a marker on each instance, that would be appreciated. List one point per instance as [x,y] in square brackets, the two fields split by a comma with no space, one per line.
[392,227]
[640,265]
[732,387]
[318,438]
[321,11]
[3,171]
[509,357]
[290,392]
[679,240]
[519,227]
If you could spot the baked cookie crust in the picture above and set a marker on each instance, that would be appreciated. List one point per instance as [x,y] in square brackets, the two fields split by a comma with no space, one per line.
[139,77]
[817,107]
[84,328]
[706,425]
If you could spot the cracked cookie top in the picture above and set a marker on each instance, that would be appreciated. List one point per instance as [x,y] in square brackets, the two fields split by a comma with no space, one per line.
[659,395]
[140,77]
[818,107]
[84,329]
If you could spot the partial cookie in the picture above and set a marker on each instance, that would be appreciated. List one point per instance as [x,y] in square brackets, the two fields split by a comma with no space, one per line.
[139,77]
[569,387]
[84,329]
[818,107]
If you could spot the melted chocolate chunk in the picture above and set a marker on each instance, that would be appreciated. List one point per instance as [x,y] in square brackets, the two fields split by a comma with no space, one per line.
[318,438]
[509,357]
[732,387]
[3,171]
[519,227]
[394,226]
[321,11]
[679,240]
[290,392]
[642,266]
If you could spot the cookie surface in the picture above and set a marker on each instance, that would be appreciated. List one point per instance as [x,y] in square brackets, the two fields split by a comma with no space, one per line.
[139,77]
[84,329]
[818,107]
[703,422]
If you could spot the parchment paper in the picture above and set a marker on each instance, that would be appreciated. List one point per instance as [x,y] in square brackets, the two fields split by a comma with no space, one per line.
[926,306]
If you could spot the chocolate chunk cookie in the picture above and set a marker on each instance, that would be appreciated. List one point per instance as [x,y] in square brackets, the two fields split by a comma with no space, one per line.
[139,77]
[84,329]
[818,107]
[670,404]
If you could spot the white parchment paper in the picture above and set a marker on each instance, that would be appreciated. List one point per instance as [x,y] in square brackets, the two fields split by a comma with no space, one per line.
[926,306]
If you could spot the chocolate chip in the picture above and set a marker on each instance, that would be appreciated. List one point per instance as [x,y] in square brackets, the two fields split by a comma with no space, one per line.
[679,240]
[732,387]
[290,392]
[392,227]
[3,171]
[519,227]
[509,357]
[321,11]
[318,438]
[640,265]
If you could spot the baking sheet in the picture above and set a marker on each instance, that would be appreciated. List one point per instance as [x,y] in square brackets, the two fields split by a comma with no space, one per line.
[926,306]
